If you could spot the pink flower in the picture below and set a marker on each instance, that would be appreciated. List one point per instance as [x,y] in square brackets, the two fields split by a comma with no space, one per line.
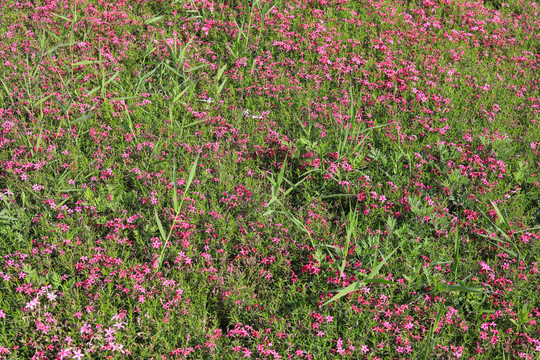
[86,328]
[33,304]
[156,243]
[51,296]
[64,353]
[118,347]
[77,354]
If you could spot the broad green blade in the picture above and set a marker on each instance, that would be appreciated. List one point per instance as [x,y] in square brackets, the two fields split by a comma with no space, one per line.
[379,281]
[43,99]
[153,20]
[191,174]
[220,72]
[281,173]
[221,87]
[376,269]
[160,226]
[85,62]
[357,285]
[466,289]
[82,118]
[499,215]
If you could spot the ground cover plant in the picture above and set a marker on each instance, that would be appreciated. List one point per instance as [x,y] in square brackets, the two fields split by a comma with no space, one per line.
[269,179]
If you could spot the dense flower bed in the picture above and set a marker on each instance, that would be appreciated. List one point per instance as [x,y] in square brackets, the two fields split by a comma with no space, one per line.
[302,179]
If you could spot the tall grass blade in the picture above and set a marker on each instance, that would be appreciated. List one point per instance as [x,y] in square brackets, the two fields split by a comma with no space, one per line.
[175,194]
[191,176]
[456,251]
[430,345]
[160,226]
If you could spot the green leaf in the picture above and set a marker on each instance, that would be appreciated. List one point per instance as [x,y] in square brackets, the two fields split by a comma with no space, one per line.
[153,20]
[6,89]
[268,212]
[5,217]
[85,62]
[456,251]
[192,173]
[220,72]
[351,230]
[376,269]
[123,98]
[370,279]
[93,90]
[379,281]
[175,194]
[162,231]
[281,173]
[299,224]
[233,53]
[42,100]
[357,285]
[50,51]
[56,279]
[434,327]
[82,118]
[63,17]
[466,289]
[177,97]
[195,68]
[500,216]
[194,123]
[112,78]
[221,87]
[160,226]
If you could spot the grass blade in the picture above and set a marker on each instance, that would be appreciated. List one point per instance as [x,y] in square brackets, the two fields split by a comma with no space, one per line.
[175,194]
[192,173]
[456,251]
[500,216]
[433,328]
[460,288]
[160,226]
[357,285]
[281,174]
[191,176]
[154,19]
[220,72]
[375,271]
[351,229]
[82,118]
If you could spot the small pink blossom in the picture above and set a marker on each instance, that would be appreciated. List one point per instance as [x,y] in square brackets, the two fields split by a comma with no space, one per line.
[77,354]
[34,304]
